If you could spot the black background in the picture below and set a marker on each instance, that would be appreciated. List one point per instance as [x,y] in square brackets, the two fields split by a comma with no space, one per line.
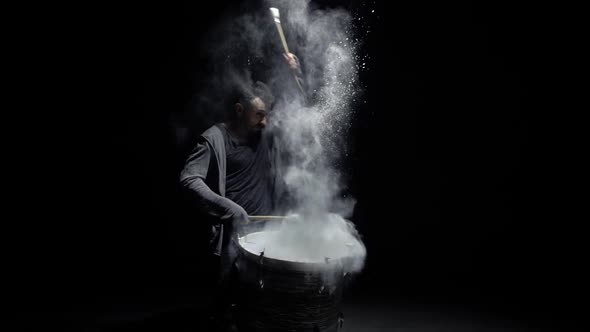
[455,177]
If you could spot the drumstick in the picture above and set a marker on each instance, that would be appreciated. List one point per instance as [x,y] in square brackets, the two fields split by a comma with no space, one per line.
[254,218]
[277,18]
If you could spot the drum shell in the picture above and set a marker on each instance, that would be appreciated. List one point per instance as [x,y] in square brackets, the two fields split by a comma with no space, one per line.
[279,295]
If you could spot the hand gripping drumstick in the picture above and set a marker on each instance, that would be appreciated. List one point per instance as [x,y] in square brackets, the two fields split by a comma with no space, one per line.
[277,18]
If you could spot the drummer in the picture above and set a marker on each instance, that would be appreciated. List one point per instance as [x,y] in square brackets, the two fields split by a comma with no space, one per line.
[229,172]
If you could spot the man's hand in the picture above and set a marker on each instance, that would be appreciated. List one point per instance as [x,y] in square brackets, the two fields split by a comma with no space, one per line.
[235,219]
[294,65]
[292,61]
[238,215]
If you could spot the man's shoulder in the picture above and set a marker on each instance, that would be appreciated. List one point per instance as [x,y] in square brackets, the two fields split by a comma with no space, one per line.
[214,135]
[215,132]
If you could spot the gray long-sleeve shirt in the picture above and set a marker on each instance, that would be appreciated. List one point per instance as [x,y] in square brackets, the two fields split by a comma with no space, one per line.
[204,176]
[229,180]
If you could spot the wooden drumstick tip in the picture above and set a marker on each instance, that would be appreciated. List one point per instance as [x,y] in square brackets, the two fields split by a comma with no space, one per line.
[275,14]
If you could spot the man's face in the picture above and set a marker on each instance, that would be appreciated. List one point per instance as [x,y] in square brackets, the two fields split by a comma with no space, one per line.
[254,116]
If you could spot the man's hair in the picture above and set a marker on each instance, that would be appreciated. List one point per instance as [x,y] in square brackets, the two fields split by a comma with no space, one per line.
[247,92]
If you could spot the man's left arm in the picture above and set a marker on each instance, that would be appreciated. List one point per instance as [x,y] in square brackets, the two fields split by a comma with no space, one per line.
[295,66]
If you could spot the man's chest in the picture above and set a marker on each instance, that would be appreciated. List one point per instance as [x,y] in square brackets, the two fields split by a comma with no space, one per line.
[240,158]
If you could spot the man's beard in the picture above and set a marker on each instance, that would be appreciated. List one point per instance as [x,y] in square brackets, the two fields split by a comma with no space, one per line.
[255,134]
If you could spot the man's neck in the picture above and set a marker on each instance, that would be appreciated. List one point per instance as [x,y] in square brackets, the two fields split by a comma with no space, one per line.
[239,133]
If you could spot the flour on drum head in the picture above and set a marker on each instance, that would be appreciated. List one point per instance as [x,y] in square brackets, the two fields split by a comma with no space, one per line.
[306,250]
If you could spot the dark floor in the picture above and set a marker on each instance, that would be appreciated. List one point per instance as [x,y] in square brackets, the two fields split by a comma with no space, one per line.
[367,311]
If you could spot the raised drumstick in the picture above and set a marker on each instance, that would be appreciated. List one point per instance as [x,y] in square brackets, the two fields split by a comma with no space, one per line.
[277,17]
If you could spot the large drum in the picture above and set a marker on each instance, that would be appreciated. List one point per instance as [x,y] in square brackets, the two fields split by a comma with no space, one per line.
[279,293]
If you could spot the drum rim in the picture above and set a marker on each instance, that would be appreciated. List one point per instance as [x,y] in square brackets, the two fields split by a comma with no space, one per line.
[330,264]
